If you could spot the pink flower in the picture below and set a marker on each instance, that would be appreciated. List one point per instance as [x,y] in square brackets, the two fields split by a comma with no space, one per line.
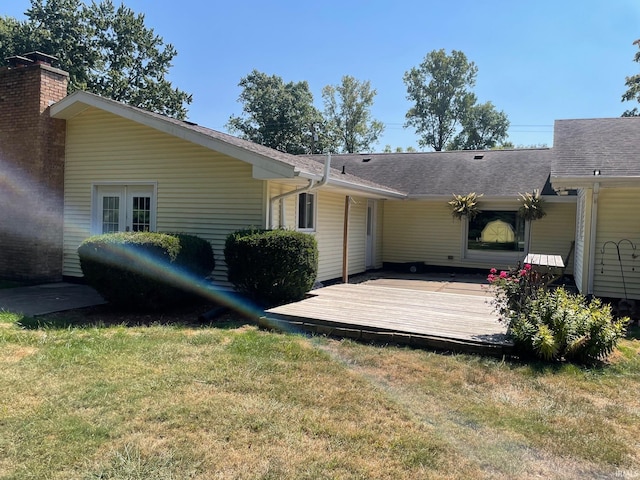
[493,271]
[503,274]
[527,266]
[523,272]
[491,278]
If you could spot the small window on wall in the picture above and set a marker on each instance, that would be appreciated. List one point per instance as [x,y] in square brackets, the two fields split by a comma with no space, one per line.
[496,231]
[306,211]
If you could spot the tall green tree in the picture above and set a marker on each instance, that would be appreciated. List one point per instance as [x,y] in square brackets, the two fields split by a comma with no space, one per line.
[440,89]
[106,50]
[483,127]
[278,115]
[633,87]
[347,111]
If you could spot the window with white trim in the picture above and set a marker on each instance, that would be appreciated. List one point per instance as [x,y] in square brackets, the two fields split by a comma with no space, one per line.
[496,231]
[124,208]
[306,212]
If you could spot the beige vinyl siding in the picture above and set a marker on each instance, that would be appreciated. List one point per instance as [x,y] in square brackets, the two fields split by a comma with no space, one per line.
[554,233]
[421,231]
[425,231]
[357,235]
[579,268]
[379,243]
[199,191]
[290,206]
[330,233]
[329,230]
[618,218]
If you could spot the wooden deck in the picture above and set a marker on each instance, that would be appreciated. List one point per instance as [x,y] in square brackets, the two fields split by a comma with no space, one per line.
[415,313]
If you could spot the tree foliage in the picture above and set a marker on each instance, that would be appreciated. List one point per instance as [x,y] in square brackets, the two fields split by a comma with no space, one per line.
[633,87]
[445,113]
[106,50]
[440,88]
[278,115]
[482,127]
[348,115]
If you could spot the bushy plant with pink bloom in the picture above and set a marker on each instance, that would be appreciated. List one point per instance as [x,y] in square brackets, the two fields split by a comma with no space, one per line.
[514,289]
[553,324]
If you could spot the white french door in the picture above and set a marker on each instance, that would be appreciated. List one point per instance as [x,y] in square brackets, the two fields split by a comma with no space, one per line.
[124,208]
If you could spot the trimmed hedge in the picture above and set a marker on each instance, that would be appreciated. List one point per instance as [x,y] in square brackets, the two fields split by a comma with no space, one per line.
[272,267]
[145,270]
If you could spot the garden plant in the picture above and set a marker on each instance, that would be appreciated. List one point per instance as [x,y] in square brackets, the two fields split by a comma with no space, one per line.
[553,324]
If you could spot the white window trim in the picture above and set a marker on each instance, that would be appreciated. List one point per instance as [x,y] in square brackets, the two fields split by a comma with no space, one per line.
[96,214]
[315,213]
[479,256]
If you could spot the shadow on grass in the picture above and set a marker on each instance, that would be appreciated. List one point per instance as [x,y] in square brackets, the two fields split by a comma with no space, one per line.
[197,315]
[633,332]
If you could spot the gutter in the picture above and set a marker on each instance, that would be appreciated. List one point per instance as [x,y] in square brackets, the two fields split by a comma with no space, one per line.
[312,186]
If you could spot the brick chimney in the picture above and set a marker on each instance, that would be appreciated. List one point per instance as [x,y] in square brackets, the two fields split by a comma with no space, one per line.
[31,169]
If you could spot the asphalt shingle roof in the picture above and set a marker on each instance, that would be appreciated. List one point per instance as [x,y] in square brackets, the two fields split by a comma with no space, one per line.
[611,145]
[494,173]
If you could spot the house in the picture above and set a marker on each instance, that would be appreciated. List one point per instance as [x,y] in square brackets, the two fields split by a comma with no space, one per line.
[421,228]
[600,158]
[129,169]
[81,164]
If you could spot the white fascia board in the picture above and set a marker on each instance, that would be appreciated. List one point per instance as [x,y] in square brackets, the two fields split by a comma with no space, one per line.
[79,101]
[495,199]
[588,182]
[379,192]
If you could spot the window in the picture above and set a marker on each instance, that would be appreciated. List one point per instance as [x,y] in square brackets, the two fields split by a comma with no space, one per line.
[306,211]
[124,208]
[496,231]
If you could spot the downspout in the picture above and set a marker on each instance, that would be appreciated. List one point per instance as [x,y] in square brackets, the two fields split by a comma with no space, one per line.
[313,185]
[592,237]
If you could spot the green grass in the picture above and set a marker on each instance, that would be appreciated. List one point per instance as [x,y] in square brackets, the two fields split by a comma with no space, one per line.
[88,401]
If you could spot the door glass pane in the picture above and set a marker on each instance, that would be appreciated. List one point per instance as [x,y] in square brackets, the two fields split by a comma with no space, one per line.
[141,214]
[110,214]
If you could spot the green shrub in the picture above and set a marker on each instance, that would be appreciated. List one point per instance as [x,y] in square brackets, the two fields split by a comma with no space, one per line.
[145,270]
[558,325]
[272,266]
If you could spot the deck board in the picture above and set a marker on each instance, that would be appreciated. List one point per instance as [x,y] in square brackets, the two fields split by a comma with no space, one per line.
[458,319]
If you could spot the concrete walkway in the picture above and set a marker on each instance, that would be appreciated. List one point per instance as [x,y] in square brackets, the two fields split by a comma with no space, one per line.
[48,298]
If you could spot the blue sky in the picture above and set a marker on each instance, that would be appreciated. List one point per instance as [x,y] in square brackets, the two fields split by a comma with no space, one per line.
[538,61]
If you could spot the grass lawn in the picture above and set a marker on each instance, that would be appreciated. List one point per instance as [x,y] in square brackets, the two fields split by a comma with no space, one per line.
[102,401]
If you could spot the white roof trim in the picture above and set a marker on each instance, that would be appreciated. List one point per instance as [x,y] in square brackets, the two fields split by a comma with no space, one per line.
[590,180]
[378,191]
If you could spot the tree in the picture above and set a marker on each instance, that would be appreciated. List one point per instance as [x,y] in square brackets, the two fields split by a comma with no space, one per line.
[107,51]
[440,90]
[633,87]
[483,127]
[278,115]
[348,116]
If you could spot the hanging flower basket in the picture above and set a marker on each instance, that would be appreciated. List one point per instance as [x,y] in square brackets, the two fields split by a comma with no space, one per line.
[465,206]
[531,206]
